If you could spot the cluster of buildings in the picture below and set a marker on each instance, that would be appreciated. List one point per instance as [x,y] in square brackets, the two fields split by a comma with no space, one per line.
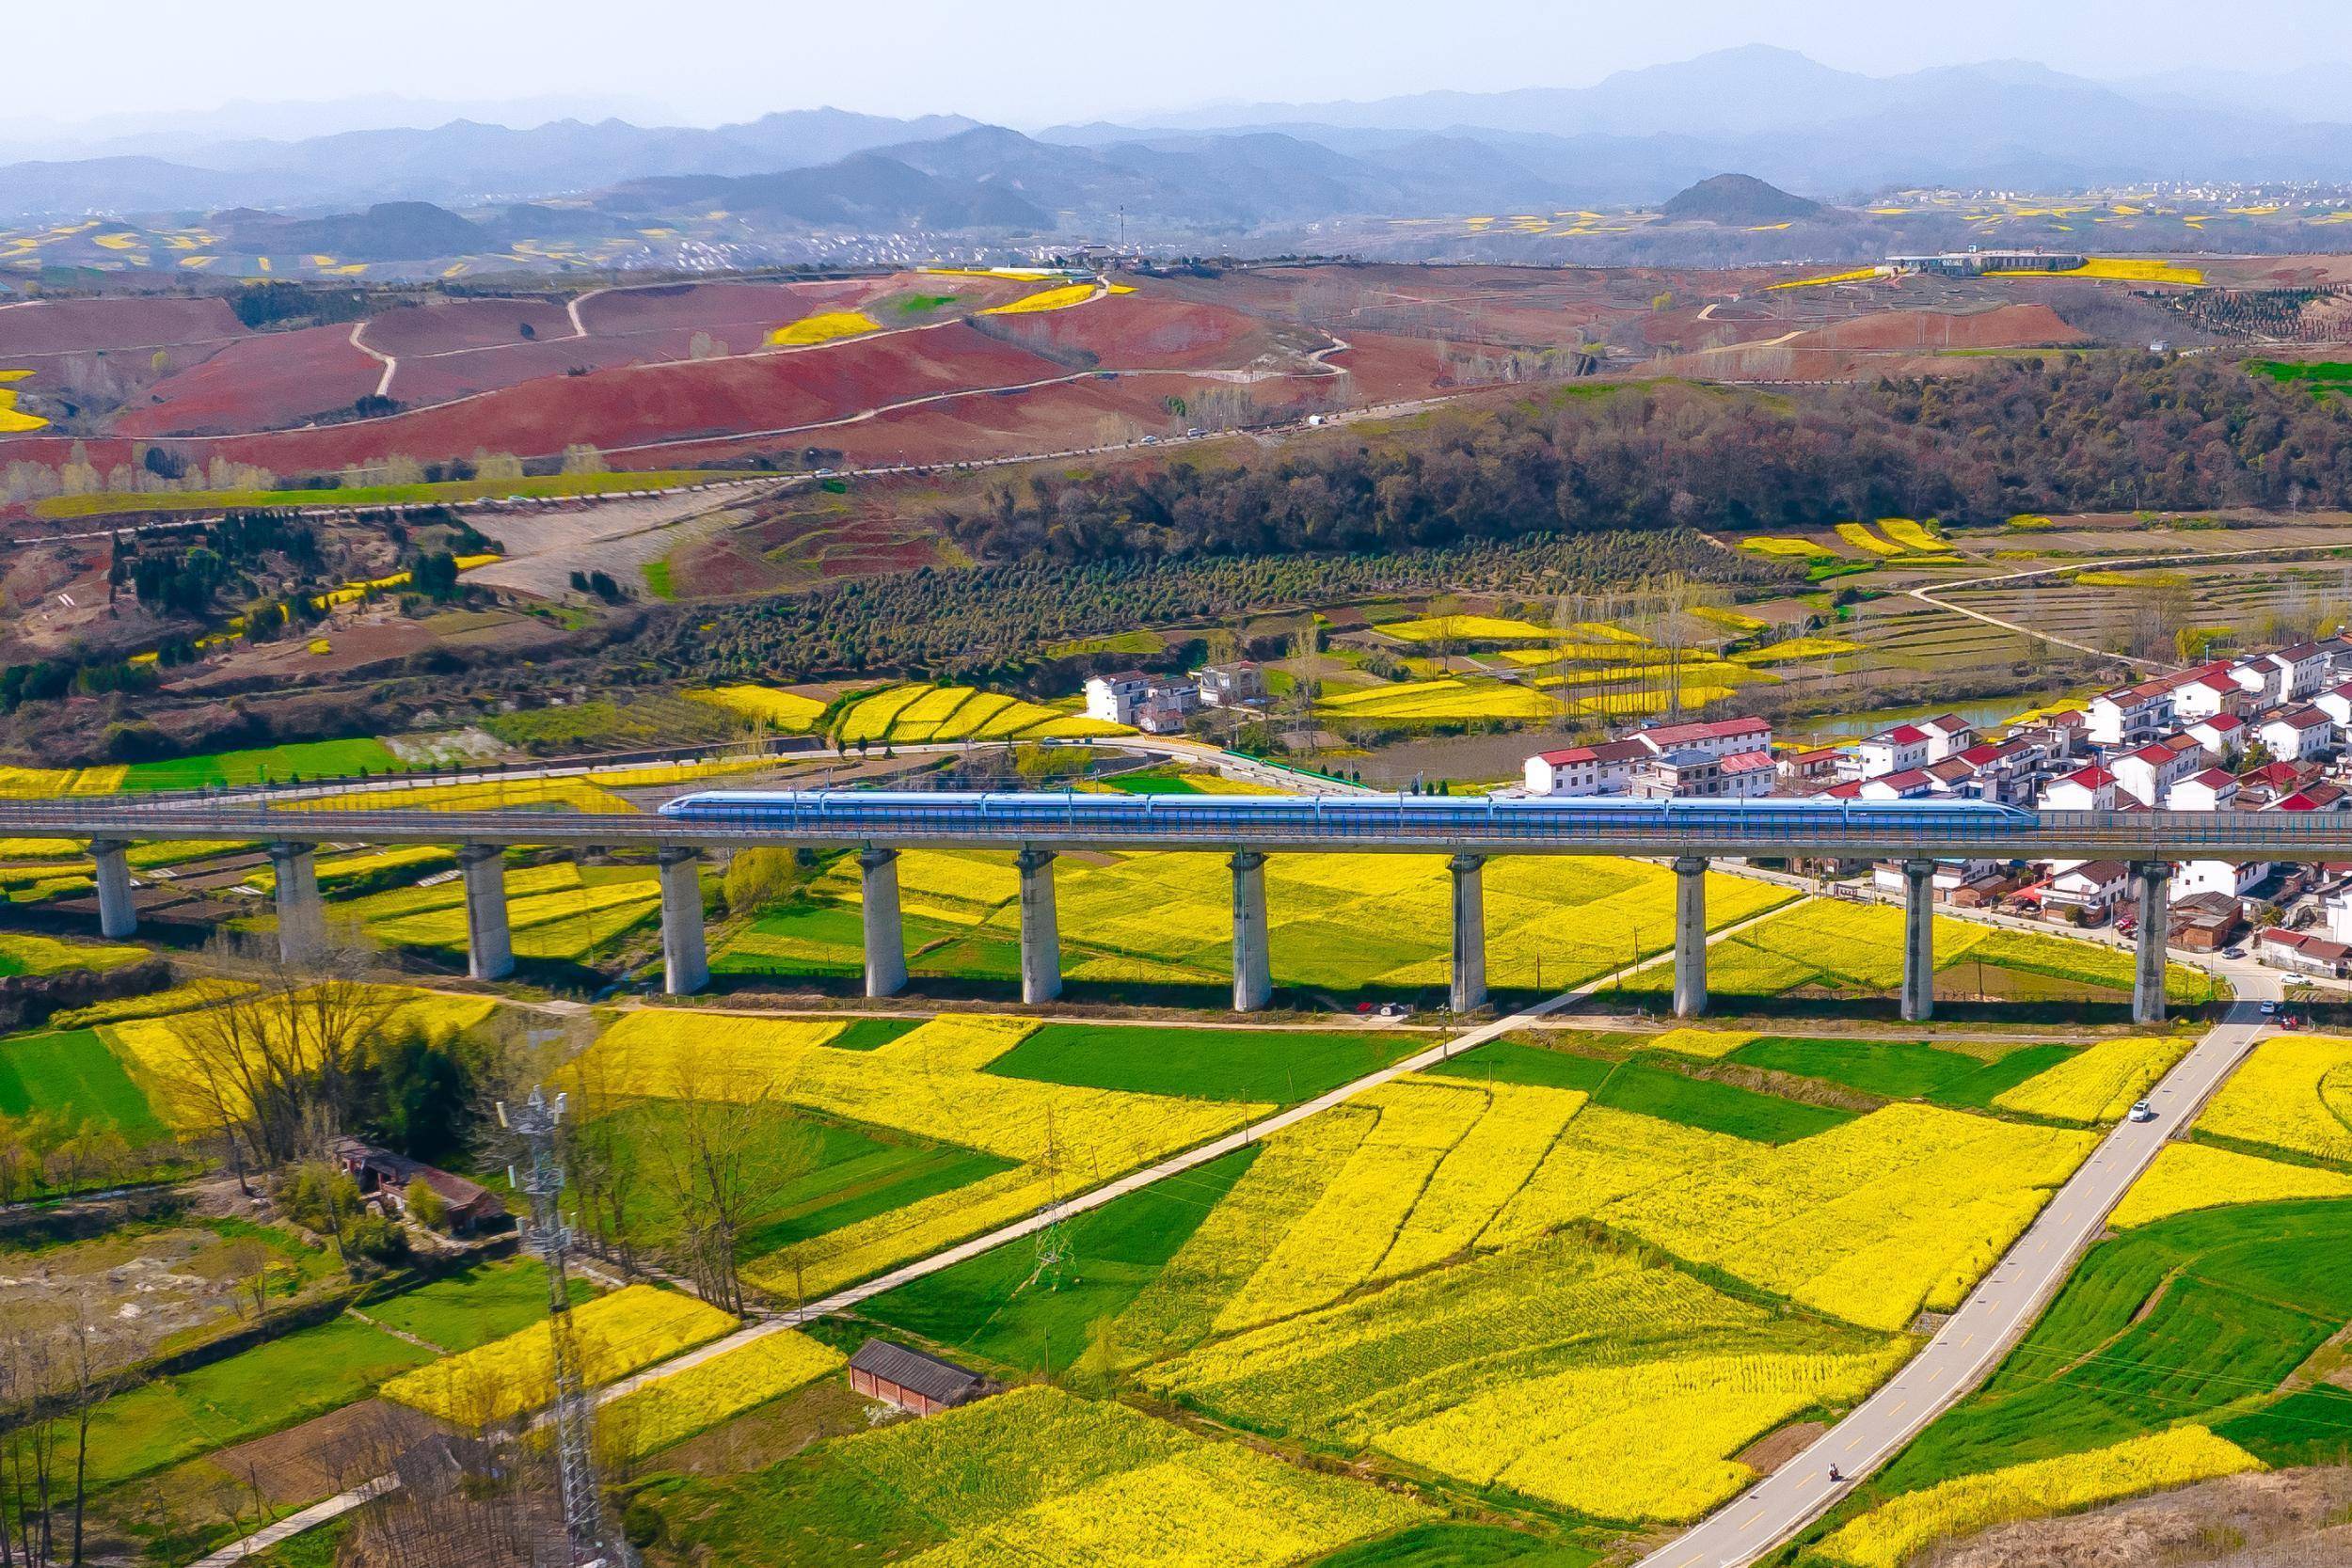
[2265,731]
[1161,705]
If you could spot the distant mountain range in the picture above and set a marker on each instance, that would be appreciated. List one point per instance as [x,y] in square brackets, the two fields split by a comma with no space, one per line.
[1634,139]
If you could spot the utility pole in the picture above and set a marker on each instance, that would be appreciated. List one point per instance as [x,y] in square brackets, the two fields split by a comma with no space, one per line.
[588,1541]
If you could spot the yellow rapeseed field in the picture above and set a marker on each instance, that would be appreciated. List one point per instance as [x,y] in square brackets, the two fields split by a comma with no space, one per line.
[673,1408]
[823,327]
[1469,628]
[1869,1221]
[1063,1138]
[2097,1083]
[2294,1092]
[908,715]
[2200,1176]
[1072,1481]
[1045,299]
[1706,1045]
[784,711]
[1861,538]
[1646,1441]
[1888,1535]
[1783,544]
[2121,269]
[1913,534]
[41,783]
[1860,275]
[159,1053]
[496,794]
[618,1334]
[14,421]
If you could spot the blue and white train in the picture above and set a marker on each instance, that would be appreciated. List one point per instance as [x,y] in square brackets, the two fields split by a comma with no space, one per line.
[854,812]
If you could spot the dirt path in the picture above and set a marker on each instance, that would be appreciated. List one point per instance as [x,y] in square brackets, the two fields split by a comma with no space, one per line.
[358,341]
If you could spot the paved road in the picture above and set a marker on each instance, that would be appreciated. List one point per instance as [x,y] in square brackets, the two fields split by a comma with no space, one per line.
[1176,1165]
[2003,1307]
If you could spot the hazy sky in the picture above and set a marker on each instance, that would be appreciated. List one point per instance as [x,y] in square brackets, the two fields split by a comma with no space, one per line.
[706,61]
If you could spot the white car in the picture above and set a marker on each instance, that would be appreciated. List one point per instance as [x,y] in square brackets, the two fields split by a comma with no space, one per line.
[2270,1009]
[2142,1111]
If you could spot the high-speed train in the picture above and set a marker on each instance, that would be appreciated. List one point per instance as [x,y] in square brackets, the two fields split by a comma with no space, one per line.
[853,811]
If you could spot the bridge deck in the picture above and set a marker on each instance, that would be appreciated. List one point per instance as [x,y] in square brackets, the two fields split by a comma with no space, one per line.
[1269,823]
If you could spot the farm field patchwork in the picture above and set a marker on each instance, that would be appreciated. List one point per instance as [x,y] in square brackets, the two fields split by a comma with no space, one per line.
[929,1084]
[70,1075]
[1070,1481]
[2173,1321]
[673,1407]
[309,759]
[633,1327]
[2294,1092]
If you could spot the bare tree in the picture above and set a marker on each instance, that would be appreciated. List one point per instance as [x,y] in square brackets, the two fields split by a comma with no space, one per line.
[721,1154]
[277,1069]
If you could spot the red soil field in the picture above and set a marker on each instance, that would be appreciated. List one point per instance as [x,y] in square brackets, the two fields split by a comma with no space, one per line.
[714,306]
[274,379]
[72,326]
[463,323]
[621,407]
[1135,331]
[2003,327]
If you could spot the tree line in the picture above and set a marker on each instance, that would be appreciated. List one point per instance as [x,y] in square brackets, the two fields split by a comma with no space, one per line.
[2085,434]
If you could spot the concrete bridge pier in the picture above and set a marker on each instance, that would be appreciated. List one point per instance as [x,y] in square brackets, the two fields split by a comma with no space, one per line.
[885,933]
[685,959]
[1690,935]
[118,917]
[301,918]
[2155,918]
[489,942]
[1253,961]
[1041,928]
[1918,940]
[1470,931]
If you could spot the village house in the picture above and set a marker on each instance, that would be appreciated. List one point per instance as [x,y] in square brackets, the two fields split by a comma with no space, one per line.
[2206,693]
[2131,715]
[1802,771]
[1606,768]
[1716,738]
[2298,735]
[2303,953]
[1230,685]
[1948,733]
[2089,788]
[2093,888]
[383,1176]
[1894,750]
[2224,736]
[911,1379]
[2213,789]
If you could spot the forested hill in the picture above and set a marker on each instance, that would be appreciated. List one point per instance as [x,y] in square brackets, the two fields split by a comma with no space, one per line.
[2096,434]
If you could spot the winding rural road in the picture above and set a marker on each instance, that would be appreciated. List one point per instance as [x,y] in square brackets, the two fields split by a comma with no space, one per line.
[1994,1318]
[841,1301]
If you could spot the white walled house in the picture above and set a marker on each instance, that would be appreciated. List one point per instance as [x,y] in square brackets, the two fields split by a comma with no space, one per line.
[1909,784]
[1718,737]
[2205,694]
[1748,775]
[2131,715]
[2214,789]
[1606,768]
[2094,887]
[1896,750]
[2298,734]
[2336,703]
[1112,698]
[2309,669]
[2224,736]
[1947,735]
[2152,769]
[2085,789]
[2226,877]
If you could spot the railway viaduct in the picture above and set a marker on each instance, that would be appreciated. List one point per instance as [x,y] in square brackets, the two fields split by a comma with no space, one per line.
[1036,828]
